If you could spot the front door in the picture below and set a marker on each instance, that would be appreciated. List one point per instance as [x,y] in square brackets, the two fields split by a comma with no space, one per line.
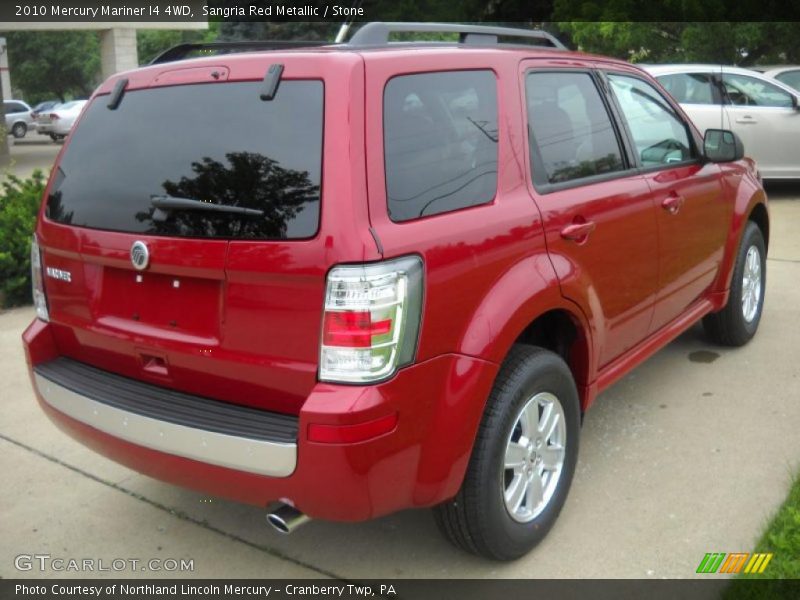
[693,213]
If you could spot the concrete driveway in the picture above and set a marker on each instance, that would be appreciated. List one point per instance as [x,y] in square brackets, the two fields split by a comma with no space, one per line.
[32,152]
[689,454]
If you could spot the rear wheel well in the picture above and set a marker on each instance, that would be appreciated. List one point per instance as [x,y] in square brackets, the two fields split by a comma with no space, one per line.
[561,333]
[759,216]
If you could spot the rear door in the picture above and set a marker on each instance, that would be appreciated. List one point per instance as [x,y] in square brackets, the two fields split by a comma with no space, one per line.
[599,215]
[225,191]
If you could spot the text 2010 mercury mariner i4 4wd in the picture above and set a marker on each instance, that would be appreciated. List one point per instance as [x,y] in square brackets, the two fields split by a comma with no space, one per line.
[351,279]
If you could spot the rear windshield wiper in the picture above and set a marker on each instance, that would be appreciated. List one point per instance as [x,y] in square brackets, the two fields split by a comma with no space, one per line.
[165,203]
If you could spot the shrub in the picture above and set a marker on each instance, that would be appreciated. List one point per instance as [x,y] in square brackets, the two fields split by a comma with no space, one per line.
[19,204]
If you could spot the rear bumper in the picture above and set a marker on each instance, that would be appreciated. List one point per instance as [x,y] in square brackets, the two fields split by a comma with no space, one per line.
[86,395]
[421,462]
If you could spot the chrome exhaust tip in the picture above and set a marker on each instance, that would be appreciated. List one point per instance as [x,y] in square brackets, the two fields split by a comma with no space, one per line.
[285,519]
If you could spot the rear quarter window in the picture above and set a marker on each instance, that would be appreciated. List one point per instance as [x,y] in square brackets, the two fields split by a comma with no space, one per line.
[440,142]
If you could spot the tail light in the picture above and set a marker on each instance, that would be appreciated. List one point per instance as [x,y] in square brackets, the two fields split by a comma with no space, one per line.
[371,321]
[54,116]
[37,279]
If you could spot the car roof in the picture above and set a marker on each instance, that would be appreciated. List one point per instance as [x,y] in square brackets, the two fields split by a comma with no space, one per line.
[520,51]
[772,71]
[665,69]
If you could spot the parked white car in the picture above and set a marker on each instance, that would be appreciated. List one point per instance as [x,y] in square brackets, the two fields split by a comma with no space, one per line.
[788,74]
[18,118]
[764,112]
[57,122]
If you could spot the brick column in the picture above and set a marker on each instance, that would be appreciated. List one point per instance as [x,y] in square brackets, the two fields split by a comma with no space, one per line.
[118,51]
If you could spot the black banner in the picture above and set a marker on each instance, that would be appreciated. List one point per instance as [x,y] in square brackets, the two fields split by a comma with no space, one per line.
[405,589]
[141,12]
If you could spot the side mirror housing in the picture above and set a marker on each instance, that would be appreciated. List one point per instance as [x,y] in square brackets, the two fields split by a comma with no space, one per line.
[722,145]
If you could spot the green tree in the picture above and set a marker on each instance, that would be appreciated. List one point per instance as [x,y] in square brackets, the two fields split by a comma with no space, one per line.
[54,64]
[738,43]
[711,31]
[152,42]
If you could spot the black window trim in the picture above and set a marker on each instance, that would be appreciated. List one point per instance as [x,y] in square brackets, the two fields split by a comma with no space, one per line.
[696,143]
[536,163]
[498,98]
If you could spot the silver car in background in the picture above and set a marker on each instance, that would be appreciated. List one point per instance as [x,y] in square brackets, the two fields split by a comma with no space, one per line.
[57,122]
[18,118]
[788,74]
[764,112]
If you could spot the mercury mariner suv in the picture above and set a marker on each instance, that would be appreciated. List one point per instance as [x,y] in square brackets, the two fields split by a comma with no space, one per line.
[340,281]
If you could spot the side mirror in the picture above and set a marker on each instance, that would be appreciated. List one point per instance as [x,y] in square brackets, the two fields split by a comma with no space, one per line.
[722,145]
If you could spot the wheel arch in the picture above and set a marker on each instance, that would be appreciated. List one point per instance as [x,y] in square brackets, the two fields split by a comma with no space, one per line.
[760,216]
[750,205]
[525,306]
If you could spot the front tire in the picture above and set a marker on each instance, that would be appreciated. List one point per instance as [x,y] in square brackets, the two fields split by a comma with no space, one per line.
[737,323]
[19,130]
[522,462]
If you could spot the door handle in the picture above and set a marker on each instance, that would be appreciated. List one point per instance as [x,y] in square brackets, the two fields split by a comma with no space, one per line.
[578,232]
[672,203]
[746,120]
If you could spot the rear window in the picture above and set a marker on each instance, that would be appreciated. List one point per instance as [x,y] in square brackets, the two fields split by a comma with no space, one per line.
[216,143]
[440,142]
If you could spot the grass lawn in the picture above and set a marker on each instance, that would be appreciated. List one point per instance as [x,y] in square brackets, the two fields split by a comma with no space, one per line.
[782,539]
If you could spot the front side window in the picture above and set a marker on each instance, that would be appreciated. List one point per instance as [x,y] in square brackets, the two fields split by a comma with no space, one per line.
[571,133]
[689,88]
[440,142]
[749,91]
[660,136]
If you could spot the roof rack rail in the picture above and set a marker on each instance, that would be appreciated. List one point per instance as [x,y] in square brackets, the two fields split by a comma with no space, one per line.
[377,33]
[182,51]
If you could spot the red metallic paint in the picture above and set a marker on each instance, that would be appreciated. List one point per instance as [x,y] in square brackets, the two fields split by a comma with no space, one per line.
[490,271]
[421,462]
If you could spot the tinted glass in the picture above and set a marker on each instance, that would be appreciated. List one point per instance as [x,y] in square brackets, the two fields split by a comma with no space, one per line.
[440,142]
[791,78]
[14,107]
[218,143]
[689,88]
[660,135]
[570,127]
[749,91]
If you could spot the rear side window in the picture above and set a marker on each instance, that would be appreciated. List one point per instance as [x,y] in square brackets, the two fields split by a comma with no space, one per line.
[440,142]
[689,88]
[14,107]
[571,134]
[216,143]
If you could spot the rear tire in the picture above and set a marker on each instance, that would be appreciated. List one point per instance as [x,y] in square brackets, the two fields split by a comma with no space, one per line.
[528,435]
[18,130]
[737,323]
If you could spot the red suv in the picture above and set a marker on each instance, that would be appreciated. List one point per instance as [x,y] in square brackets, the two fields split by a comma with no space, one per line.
[347,280]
